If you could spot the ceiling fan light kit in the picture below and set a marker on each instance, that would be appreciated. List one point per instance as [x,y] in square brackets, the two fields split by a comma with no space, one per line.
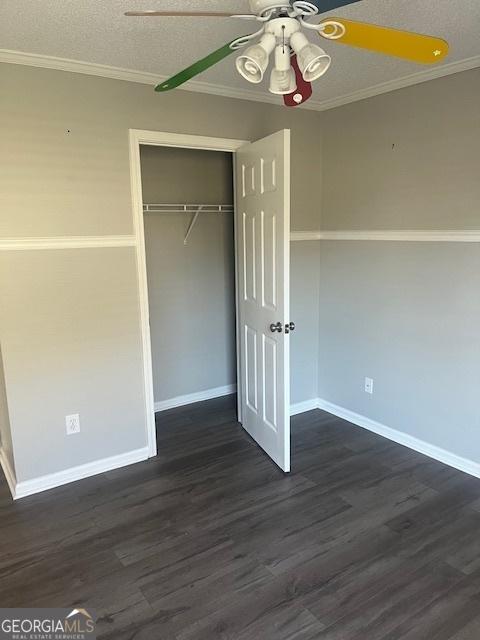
[297,61]
[252,64]
[312,59]
[282,78]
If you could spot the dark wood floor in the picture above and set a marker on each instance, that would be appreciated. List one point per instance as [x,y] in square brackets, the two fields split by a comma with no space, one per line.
[365,540]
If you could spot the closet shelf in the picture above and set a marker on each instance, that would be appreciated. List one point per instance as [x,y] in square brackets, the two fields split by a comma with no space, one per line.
[195,209]
[187,208]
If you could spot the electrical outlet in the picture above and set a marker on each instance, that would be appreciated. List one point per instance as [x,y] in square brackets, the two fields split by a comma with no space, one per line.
[368,385]
[73,424]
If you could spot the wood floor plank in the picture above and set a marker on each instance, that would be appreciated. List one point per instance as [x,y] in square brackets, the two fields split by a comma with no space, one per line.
[373,600]
[470,631]
[267,607]
[210,540]
[445,615]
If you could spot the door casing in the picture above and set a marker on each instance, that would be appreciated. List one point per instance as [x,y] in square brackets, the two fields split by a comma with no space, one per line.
[139,137]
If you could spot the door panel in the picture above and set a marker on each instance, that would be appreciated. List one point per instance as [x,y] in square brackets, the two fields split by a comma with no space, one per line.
[263,250]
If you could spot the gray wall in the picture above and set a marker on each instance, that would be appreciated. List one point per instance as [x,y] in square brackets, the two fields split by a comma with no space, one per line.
[171,175]
[405,160]
[405,314]
[304,311]
[191,288]
[69,320]
[65,172]
[6,443]
[71,344]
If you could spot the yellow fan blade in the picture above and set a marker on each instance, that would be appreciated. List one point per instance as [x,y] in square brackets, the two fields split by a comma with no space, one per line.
[392,42]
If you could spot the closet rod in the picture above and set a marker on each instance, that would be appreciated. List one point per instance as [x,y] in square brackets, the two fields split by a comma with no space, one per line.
[187,208]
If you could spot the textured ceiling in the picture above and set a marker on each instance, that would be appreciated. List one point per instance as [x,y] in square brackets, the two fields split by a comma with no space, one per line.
[96,31]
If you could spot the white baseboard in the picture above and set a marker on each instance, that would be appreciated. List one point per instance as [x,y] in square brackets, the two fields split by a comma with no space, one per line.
[218,392]
[8,472]
[190,398]
[302,407]
[430,450]
[43,483]
[52,480]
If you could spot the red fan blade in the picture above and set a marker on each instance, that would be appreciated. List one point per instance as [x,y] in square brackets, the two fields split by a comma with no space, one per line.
[303,91]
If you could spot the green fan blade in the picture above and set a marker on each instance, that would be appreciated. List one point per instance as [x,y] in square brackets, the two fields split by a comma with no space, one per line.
[196,68]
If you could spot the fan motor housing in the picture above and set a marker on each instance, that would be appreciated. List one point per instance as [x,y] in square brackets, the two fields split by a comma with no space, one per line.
[259,6]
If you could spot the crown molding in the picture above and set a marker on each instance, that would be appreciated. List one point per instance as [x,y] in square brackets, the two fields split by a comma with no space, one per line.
[128,75]
[141,77]
[400,83]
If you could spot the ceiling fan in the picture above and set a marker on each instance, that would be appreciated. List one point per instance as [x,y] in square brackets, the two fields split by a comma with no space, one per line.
[297,61]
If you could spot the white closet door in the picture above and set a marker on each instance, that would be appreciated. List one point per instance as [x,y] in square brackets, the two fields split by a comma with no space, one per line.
[263,262]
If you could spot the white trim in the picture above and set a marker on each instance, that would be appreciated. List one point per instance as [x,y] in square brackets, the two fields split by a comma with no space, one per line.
[92,242]
[128,75]
[168,209]
[142,77]
[137,208]
[52,480]
[65,242]
[427,449]
[302,236]
[287,208]
[396,235]
[185,141]
[302,407]
[454,235]
[8,472]
[236,244]
[400,83]
[165,139]
[200,396]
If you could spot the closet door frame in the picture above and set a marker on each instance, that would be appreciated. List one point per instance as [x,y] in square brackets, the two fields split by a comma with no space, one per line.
[139,137]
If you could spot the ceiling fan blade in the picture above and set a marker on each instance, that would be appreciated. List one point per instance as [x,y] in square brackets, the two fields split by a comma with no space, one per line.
[196,68]
[330,5]
[392,42]
[303,91]
[185,14]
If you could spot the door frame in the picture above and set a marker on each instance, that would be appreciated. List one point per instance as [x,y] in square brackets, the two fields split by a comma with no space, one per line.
[139,137]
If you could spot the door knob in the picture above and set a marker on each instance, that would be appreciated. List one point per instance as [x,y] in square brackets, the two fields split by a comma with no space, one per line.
[289,327]
[276,327]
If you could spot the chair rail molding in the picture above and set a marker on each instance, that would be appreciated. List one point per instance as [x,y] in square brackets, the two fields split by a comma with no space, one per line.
[394,235]
[66,242]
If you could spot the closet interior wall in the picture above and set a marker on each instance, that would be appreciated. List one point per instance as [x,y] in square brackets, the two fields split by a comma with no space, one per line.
[191,287]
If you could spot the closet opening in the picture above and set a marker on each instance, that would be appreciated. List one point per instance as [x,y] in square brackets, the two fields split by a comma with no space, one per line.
[212,237]
[188,220]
